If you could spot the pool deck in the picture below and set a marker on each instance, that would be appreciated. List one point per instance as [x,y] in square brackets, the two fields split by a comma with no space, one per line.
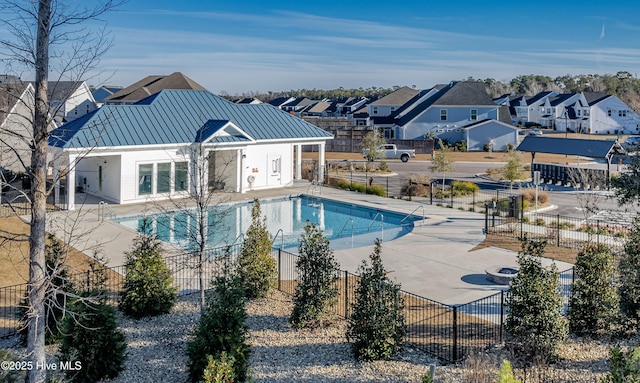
[435,260]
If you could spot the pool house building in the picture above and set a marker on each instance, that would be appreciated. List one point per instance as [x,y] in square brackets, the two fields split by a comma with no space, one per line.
[169,143]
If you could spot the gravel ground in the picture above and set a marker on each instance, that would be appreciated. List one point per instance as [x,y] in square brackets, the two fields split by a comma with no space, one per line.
[157,352]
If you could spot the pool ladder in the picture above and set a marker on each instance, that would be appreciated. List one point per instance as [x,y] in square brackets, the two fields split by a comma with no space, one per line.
[281,238]
[345,225]
[313,187]
[381,225]
[410,214]
[104,209]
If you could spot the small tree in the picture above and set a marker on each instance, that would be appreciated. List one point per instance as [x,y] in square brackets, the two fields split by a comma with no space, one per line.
[593,304]
[512,168]
[92,337]
[256,267]
[222,328]
[629,274]
[442,162]
[377,326]
[534,320]
[148,287]
[371,144]
[316,290]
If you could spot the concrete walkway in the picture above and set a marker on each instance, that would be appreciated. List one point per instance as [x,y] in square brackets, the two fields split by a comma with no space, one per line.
[435,260]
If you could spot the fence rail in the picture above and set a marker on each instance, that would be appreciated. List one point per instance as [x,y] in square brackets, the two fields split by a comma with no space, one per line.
[448,332]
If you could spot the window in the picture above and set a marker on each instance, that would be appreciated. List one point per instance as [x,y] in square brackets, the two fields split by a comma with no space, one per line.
[375,110]
[164,177]
[622,113]
[609,112]
[474,114]
[443,115]
[145,175]
[275,165]
[579,111]
[180,178]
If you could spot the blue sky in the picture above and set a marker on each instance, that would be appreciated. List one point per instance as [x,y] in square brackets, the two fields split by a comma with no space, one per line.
[244,46]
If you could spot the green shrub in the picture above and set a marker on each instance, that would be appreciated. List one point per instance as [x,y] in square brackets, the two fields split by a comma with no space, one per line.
[222,328]
[316,290]
[343,184]
[505,375]
[534,322]
[426,378]
[624,367]
[593,303]
[629,273]
[256,266]
[525,219]
[540,222]
[93,338]
[461,188]
[219,370]
[56,297]
[460,146]
[148,286]
[7,375]
[377,325]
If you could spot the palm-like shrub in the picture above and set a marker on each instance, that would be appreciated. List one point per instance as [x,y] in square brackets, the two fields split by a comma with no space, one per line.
[377,325]
[316,290]
[256,267]
[148,287]
[593,304]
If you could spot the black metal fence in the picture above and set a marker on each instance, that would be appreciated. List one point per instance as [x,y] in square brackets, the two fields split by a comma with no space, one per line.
[448,332]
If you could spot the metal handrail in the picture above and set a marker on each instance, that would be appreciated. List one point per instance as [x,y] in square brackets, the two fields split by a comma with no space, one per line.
[313,187]
[381,221]
[281,237]
[410,214]
[345,225]
[102,207]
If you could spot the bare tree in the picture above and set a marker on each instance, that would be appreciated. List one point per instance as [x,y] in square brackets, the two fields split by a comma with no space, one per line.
[42,30]
[589,180]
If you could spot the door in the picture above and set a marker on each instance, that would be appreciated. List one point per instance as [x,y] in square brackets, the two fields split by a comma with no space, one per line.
[275,169]
[99,177]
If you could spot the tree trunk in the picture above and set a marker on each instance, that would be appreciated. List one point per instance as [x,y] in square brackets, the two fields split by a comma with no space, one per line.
[37,272]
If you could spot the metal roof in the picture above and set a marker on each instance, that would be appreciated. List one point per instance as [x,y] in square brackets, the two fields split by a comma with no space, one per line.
[175,117]
[570,146]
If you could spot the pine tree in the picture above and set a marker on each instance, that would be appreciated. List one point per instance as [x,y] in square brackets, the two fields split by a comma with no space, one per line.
[256,267]
[534,321]
[316,290]
[593,304]
[148,288]
[377,325]
[222,328]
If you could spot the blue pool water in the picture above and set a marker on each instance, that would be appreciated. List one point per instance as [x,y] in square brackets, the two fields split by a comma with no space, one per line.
[346,225]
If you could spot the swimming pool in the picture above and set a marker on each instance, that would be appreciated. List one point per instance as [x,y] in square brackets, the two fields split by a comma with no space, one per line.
[346,225]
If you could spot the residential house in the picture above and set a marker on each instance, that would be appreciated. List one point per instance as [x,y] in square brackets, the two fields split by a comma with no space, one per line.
[350,104]
[103,92]
[279,102]
[529,109]
[446,111]
[607,114]
[70,100]
[152,150]
[297,105]
[151,85]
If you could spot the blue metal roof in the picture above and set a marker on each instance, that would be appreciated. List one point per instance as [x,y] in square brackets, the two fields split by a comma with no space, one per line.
[180,116]
[570,146]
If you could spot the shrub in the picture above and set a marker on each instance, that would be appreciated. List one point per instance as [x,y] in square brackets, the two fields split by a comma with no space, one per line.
[593,301]
[148,287]
[624,367]
[377,326]
[540,222]
[219,370]
[316,290]
[415,190]
[505,375]
[534,319]
[256,267]
[93,338]
[460,146]
[529,195]
[56,296]
[222,328]
[461,188]
[629,272]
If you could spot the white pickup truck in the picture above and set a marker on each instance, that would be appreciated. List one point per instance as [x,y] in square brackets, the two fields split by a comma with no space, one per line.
[390,151]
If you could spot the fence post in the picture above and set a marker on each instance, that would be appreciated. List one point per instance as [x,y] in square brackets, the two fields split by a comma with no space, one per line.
[455,334]
[486,218]
[451,191]
[598,232]
[521,216]
[431,193]
[558,227]
[346,294]
[501,313]
[280,269]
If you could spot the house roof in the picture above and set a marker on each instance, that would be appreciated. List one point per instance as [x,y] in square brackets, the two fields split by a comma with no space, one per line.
[595,97]
[62,90]
[151,85]
[570,146]
[489,121]
[177,117]
[465,93]
[10,93]
[398,97]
